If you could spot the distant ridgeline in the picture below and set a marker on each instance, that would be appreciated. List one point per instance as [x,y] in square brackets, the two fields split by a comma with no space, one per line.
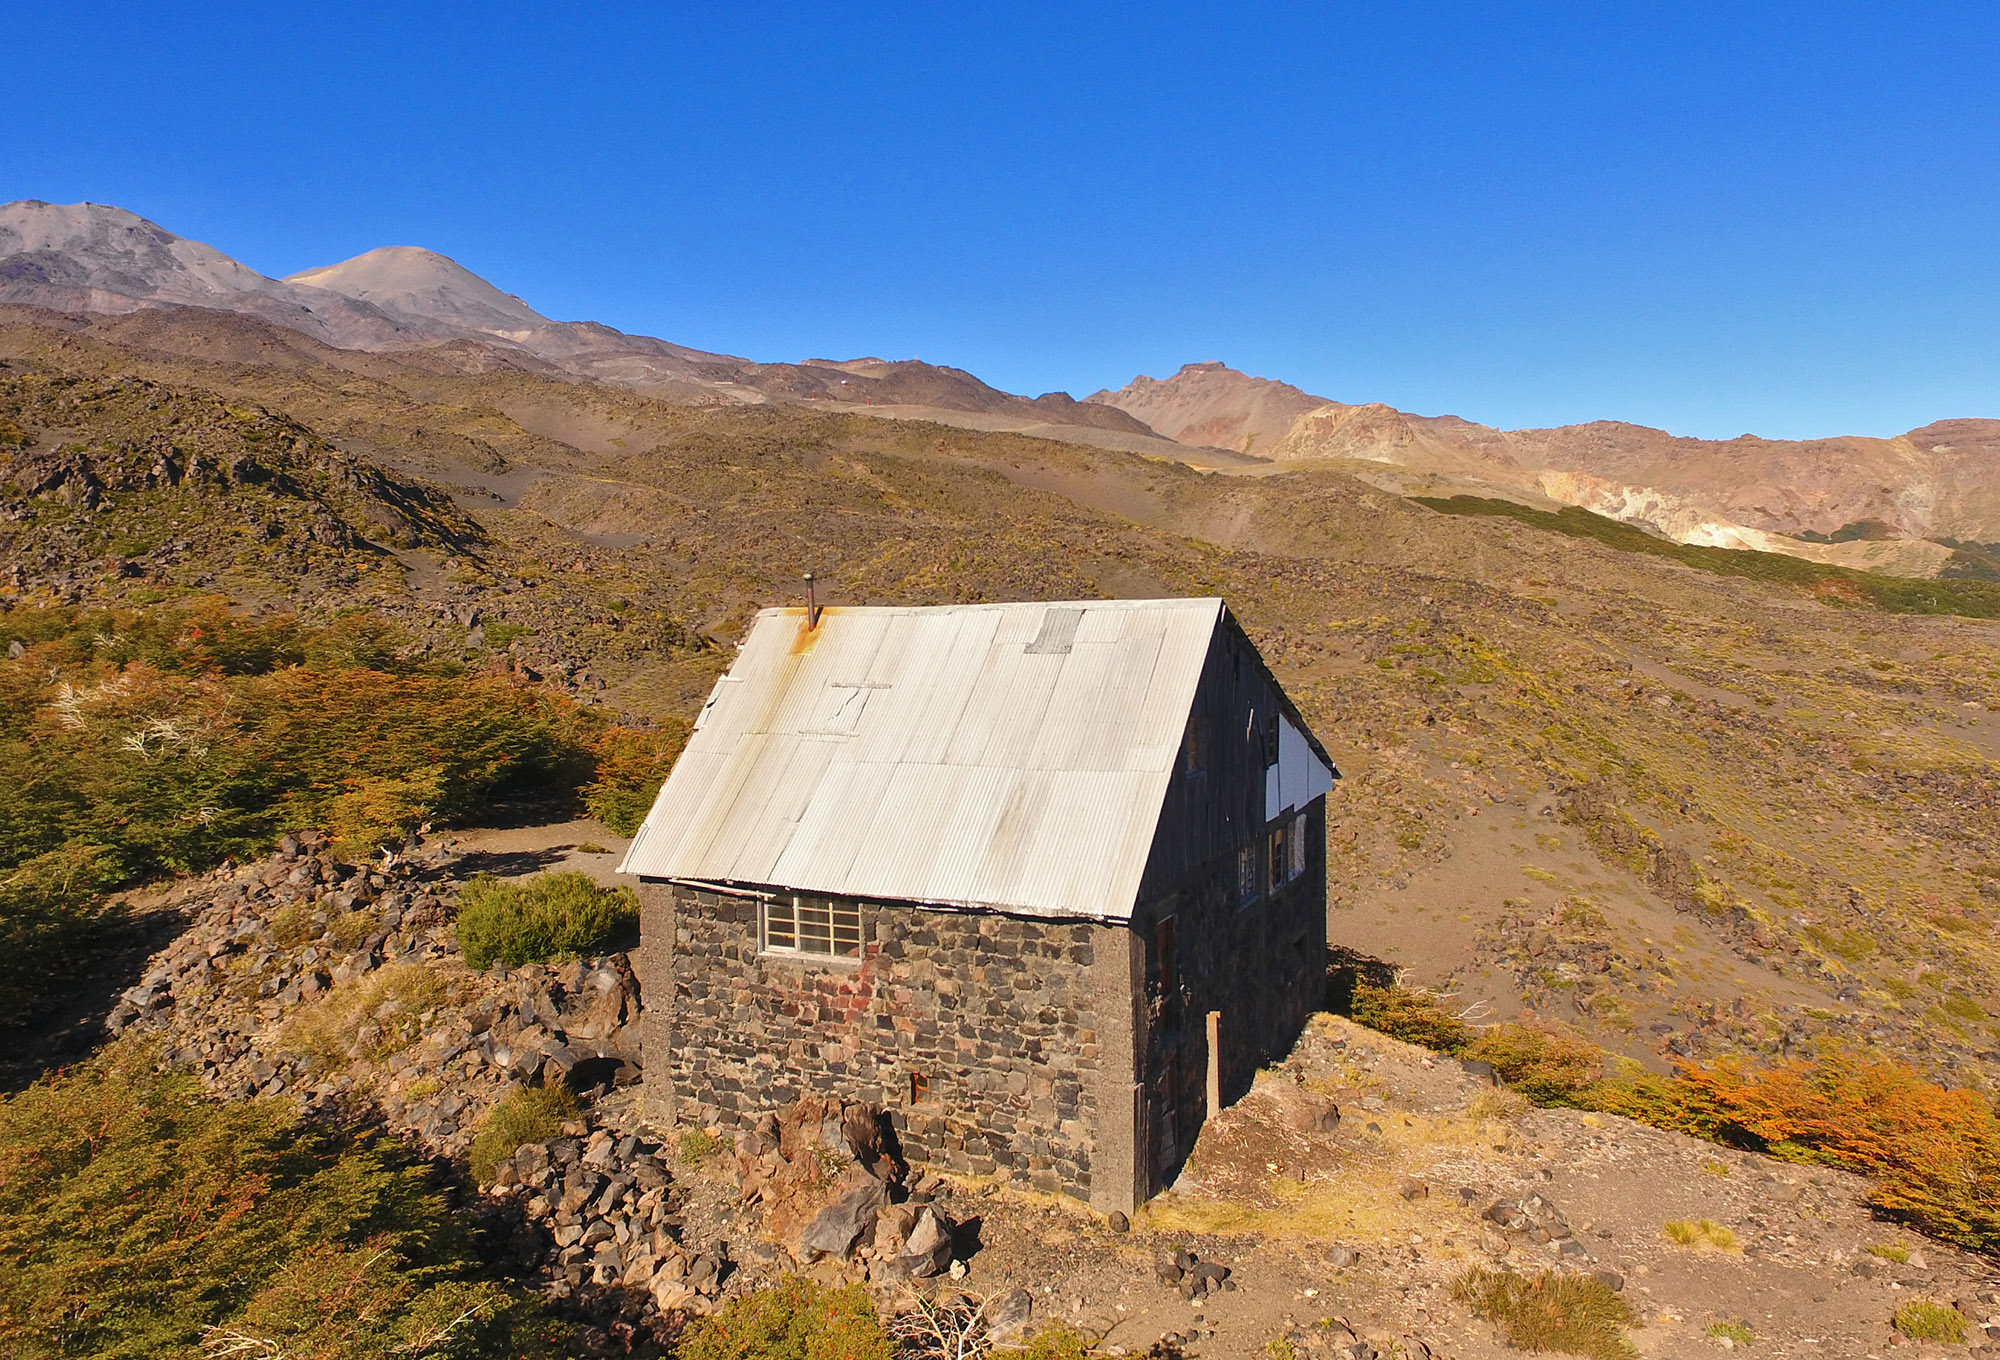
[1969,585]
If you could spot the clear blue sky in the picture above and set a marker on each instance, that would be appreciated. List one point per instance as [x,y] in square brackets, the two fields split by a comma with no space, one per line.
[1715,218]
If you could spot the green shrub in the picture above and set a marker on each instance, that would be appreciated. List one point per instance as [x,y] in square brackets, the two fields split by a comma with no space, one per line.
[550,916]
[795,1319]
[698,1145]
[631,766]
[531,1114]
[1415,1017]
[1057,1341]
[1921,1320]
[135,1214]
[1571,1314]
[140,742]
[1738,1332]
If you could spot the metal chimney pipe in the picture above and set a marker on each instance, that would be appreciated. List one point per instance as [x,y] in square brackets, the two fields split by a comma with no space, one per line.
[812,604]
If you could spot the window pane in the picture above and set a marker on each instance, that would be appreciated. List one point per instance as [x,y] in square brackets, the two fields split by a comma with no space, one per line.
[1298,845]
[847,931]
[780,928]
[815,929]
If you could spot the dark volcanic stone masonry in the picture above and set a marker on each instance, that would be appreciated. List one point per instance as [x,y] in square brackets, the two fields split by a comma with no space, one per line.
[979,1033]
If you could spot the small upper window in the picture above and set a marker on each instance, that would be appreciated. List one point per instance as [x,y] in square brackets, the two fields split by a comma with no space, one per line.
[805,923]
[1287,859]
[1248,889]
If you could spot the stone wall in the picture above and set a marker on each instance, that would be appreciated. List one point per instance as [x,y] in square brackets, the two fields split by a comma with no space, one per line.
[1002,1016]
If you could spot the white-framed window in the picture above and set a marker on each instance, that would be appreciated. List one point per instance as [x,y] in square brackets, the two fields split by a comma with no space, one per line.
[1287,859]
[806,923]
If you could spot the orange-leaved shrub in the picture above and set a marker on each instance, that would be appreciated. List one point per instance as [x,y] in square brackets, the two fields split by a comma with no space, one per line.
[630,767]
[1932,1151]
[1546,1063]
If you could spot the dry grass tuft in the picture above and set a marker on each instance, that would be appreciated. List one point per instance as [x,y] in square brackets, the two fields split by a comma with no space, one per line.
[1568,1314]
[367,1019]
[1700,1235]
[530,1114]
[1499,1104]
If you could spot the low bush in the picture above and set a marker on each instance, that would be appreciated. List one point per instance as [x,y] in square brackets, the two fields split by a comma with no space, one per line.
[1890,1252]
[53,911]
[138,1218]
[549,916]
[1549,1311]
[1932,1151]
[631,766]
[1549,1066]
[1921,1320]
[530,1114]
[1057,1341]
[1415,1017]
[1737,1332]
[794,1319]
[698,1145]
[167,739]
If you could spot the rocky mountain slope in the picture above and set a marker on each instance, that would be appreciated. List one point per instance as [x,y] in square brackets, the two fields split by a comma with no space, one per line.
[1759,806]
[1919,504]
[1823,500]
[1210,403]
[89,258]
[1684,815]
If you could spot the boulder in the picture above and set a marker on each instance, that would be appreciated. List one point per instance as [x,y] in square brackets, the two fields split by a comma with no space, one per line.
[928,1251]
[893,1223]
[1007,1315]
[837,1227]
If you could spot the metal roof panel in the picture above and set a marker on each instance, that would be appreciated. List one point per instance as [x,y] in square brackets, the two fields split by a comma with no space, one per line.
[1007,756]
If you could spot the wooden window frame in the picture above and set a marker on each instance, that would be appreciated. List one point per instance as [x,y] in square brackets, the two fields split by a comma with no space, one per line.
[811,926]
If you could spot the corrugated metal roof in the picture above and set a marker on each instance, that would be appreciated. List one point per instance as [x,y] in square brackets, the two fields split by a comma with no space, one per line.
[1009,756]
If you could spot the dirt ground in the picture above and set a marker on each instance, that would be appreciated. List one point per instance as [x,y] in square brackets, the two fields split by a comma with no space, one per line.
[1421,1151]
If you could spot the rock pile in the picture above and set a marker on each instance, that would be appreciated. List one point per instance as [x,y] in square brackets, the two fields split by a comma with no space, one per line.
[339,982]
[1194,1277]
[835,1193]
[1339,1339]
[601,1209]
[1535,1221]
[339,986]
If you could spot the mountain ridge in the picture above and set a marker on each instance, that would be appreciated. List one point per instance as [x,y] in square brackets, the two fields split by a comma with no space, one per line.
[96,259]
[1936,485]
[1940,481]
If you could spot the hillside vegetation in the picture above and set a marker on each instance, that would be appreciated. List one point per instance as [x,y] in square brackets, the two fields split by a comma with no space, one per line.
[1768,773]
[136,743]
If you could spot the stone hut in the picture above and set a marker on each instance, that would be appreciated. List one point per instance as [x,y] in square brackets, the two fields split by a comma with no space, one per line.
[1046,881]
